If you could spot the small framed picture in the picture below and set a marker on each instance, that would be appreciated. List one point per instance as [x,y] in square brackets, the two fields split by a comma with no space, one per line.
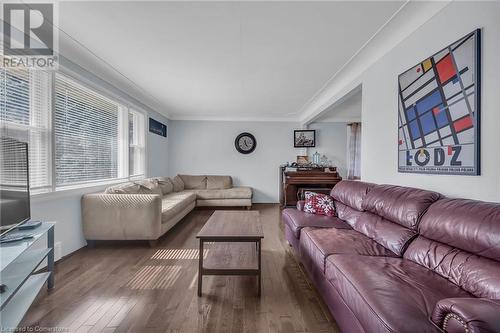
[304,138]
[301,160]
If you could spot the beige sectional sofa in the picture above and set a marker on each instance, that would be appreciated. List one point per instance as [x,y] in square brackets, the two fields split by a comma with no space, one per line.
[146,209]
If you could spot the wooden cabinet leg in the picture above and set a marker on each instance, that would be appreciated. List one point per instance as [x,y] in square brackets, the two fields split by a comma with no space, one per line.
[260,267]
[200,267]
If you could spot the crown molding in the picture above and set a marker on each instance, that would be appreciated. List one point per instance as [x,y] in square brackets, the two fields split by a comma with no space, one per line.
[178,117]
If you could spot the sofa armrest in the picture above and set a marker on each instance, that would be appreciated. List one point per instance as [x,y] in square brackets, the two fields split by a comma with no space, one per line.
[121,216]
[467,315]
[300,205]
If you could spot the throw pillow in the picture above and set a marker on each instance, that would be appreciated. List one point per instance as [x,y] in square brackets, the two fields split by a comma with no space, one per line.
[148,186]
[166,185]
[178,184]
[318,203]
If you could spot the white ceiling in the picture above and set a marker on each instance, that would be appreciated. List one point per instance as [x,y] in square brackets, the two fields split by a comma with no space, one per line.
[345,111]
[219,60]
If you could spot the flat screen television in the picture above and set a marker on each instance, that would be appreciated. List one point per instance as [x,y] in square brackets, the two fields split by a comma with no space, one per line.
[14,184]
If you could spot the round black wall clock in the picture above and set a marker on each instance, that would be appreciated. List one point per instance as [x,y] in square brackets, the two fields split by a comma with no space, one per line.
[245,143]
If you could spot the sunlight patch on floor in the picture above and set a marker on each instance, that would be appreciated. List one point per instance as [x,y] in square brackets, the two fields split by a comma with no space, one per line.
[155,277]
[188,254]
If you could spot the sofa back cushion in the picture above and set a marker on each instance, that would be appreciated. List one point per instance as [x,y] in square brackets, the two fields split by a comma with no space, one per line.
[192,182]
[146,186]
[219,182]
[348,196]
[178,184]
[470,225]
[392,236]
[390,214]
[166,185]
[460,240]
[351,193]
[402,205]
[124,188]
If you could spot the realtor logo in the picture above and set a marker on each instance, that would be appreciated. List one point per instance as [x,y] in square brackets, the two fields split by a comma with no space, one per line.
[29,35]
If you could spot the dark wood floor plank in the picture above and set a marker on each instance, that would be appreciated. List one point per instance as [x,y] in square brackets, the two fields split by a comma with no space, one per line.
[130,287]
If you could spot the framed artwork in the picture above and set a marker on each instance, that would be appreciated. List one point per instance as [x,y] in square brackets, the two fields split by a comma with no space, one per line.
[439,111]
[304,138]
[157,127]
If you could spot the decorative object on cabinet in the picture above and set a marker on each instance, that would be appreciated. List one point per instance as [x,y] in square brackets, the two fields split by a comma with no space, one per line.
[304,138]
[302,160]
[439,111]
[316,157]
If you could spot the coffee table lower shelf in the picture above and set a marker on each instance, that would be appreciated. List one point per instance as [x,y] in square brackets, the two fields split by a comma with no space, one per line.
[230,258]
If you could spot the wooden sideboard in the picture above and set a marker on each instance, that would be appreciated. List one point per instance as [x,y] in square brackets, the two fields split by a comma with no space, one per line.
[294,182]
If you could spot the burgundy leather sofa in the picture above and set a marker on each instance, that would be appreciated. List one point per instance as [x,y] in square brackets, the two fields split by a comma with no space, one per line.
[399,259]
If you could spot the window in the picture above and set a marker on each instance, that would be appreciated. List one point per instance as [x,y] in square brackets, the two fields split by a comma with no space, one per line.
[86,134]
[136,143]
[25,105]
[84,138]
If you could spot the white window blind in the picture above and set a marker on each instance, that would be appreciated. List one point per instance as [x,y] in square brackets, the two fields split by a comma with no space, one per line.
[86,132]
[25,107]
[136,143]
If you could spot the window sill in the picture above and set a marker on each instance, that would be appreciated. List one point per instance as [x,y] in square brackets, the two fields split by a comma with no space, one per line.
[79,189]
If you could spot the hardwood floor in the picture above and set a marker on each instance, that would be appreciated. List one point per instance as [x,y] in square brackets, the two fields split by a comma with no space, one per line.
[130,287]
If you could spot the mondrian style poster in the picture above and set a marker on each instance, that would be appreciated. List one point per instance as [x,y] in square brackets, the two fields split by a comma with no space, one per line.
[439,111]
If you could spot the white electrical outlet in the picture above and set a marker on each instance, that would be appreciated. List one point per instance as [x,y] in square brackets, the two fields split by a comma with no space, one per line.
[57,251]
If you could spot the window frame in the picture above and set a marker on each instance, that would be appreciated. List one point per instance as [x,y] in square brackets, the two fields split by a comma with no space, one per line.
[140,135]
[123,142]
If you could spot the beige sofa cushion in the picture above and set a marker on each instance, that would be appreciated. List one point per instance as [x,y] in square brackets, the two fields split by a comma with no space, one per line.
[174,203]
[178,184]
[166,185]
[149,186]
[146,186]
[237,192]
[194,182]
[219,182]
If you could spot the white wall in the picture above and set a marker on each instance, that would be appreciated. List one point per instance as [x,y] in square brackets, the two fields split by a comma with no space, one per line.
[207,147]
[158,149]
[379,114]
[331,140]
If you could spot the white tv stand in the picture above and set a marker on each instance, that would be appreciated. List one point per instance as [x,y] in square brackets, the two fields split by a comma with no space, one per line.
[18,272]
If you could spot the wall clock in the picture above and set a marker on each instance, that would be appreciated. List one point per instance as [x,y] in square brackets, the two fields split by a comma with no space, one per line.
[245,143]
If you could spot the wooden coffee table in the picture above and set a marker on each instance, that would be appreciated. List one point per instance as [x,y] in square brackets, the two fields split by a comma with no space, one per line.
[236,250]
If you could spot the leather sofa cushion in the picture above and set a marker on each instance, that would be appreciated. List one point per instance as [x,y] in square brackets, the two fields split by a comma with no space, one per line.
[166,185]
[348,214]
[351,193]
[473,226]
[178,184]
[219,182]
[390,235]
[237,192]
[174,203]
[297,220]
[316,245]
[402,205]
[389,294]
[194,182]
[477,275]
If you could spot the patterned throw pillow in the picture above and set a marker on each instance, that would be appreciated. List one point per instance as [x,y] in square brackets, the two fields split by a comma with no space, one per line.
[320,204]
